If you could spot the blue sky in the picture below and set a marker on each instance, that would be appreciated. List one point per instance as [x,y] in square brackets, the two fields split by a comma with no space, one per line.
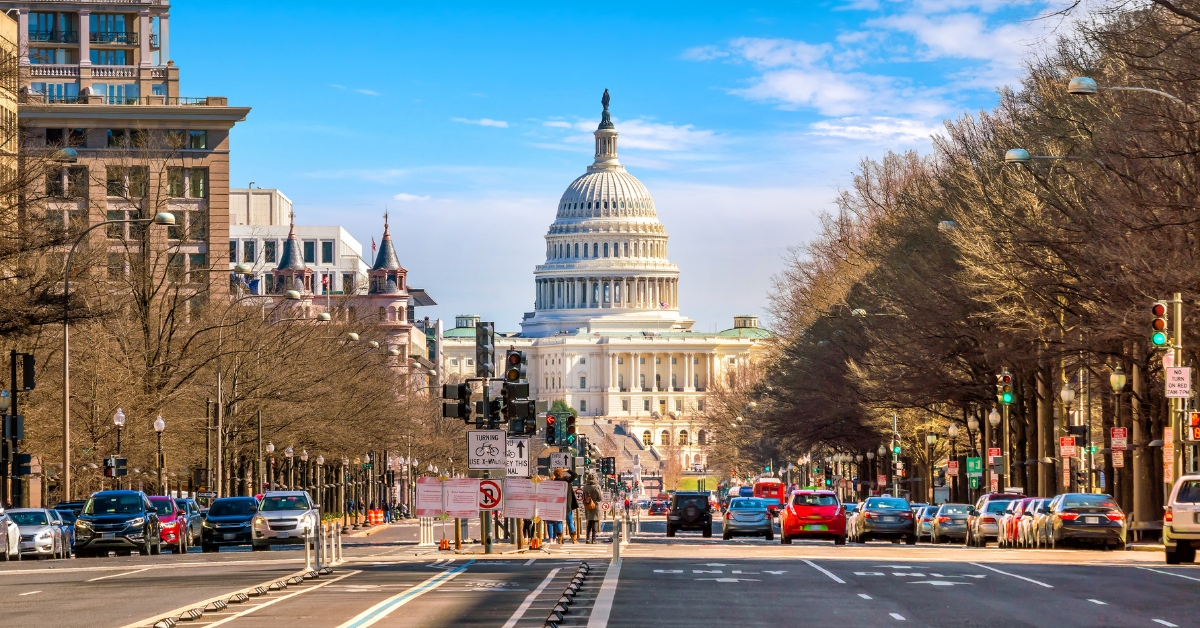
[468,120]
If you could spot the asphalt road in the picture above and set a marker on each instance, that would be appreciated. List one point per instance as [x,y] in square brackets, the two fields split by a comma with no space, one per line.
[684,581]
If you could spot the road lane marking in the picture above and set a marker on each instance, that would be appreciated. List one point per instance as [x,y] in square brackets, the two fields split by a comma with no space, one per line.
[279,599]
[520,612]
[604,600]
[1043,584]
[897,616]
[825,571]
[1170,574]
[372,615]
[864,596]
[1166,623]
[28,593]
[1093,601]
[117,575]
[529,562]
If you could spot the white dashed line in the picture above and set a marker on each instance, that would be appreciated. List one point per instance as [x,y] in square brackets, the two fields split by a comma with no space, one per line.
[1170,574]
[864,596]
[1039,583]
[28,593]
[117,575]
[529,562]
[1166,623]
[898,617]
[1098,602]
[825,571]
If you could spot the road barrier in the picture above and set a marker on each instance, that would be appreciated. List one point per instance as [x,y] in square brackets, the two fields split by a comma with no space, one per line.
[563,606]
[426,525]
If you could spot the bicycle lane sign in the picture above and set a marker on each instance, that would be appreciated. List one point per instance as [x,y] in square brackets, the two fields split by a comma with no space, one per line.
[486,450]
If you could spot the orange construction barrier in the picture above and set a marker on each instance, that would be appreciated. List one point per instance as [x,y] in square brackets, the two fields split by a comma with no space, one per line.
[443,544]
[535,543]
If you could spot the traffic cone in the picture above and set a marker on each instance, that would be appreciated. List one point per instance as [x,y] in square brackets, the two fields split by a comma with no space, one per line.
[443,544]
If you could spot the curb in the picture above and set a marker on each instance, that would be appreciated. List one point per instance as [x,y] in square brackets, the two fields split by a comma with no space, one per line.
[1144,548]
[369,531]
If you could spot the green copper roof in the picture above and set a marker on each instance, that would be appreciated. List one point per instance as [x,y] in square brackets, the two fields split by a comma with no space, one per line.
[746,332]
[459,332]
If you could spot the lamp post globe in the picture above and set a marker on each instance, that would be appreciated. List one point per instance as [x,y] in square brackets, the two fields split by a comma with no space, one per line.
[1082,86]
[858,458]
[159,424]
[270,447]
[320,459]
[973,424]
[304,455]
[1018,156]
[994,418]
[931,438]
[118,417]
[952,431]
[1117,380]
[1067,394]
[870,455]
[882,451]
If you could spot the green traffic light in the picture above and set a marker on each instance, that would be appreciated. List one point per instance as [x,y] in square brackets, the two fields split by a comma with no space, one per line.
[896,450]
[570,439]
[1006,398]
[1158,339]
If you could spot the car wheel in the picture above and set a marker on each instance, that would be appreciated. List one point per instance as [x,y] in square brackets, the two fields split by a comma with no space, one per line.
[839,540]
[670,530]
[208,549]
[770,536]
[726,536]
[707,533]
[910,540]
[1173,557]
[145,549]
[258,548]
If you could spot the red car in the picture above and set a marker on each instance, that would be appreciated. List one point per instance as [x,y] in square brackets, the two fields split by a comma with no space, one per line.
[173,523]
[813,514]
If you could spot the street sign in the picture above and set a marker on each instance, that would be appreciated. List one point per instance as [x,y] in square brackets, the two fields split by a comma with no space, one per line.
[461,497]
[975,467]
[579,494]
[993,453]
[1066,477]
[952,468]
[1168,473]
[491,494]
[973,482]
[560,460]
[1118,459]
[486,449]
[552,500]
[520,498]
[206,494]
[1119,439]
[1179,381]
[517,460]
[429,497]
[1066,446]
[1168,453]
[605,506]
[995,483]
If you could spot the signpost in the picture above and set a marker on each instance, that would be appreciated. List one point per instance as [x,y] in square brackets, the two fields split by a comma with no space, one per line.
[975,468]
[461,497]
[1179,381]
[952,468]
[517,460]
[486,450]
[1118,459]
[560,460]
[1119,440]
[993,455]
[1066,446]
[491,494]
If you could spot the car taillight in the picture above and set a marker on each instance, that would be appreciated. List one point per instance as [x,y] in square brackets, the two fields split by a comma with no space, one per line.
[943,519]
[989,520]
[1168,516]
[728,515]
[1068,516]
[906,515]
[870,515]
[1115,516]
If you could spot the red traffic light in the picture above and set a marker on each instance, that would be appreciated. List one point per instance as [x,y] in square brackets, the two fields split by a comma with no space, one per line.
[514,358]
[1159,309]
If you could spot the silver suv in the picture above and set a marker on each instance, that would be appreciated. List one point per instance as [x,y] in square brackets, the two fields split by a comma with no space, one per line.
[1181,522]
[284,517]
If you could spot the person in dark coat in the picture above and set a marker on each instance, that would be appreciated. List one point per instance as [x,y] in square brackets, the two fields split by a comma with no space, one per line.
[591,507]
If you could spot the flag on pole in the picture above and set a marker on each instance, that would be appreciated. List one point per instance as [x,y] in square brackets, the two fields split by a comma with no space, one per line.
[372,246]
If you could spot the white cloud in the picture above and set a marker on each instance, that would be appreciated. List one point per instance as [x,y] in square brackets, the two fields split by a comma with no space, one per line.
[772,53]
[877,128]
[410,197]
[500,124]
[704,53]
[557,124]
[654,136]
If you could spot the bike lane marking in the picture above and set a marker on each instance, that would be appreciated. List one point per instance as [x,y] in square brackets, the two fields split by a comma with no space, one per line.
[604,600]
[280,599]
[1177,575]
[520,612]
[372,615]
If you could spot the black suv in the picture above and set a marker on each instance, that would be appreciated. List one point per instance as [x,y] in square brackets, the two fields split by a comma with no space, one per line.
[120,521]
[690,511]
[228,522]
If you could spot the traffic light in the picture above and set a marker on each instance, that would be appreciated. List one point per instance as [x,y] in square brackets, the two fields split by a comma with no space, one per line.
[456,402]
[27,371]
[551,429]
[895,444]
[1158,325]
[514,369]
[485,349]
[1192,433]
[570,430]
[1004,389]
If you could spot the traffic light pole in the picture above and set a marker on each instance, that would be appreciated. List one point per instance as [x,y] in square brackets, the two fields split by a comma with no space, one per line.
[1178,405]
[1007,451]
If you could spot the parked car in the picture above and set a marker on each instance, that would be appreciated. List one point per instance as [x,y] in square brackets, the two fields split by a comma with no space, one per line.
[983,521]
[886,518]
[74,508]
[191,511]
[228,522]
[813,514]
[120,521]
[923,517]
[11,533]
[852,521]
[286,517]
[1027,525]
[1086,517]
[949,523]
[1007,523]
[689,511]
[1181,521]
[173,523]
[41,537]
[748,516]
[67,529]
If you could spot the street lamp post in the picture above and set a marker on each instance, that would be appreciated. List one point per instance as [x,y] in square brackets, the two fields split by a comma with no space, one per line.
[321,483]
[270,466]
[162,219]
[342,498]
[953,433]
[159,426]
[994,421]
[291,477]
[930,441]
[1067,394]
[119,421]
[304,471]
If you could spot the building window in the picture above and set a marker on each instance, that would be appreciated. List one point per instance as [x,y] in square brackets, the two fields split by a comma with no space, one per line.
[625,405]
[327,252]
[577,249]
[683,437]
[269,252]
[646,405]
[177,138]
[732,360]
[672,360]
[197,268]
[647,438]
[620,381]
[470,362]
[701,438]
[454,362]
[108,57]
[175,186]
[664,438]
[673,384]
[198,140]
[583,405]
[582,382]
[310,252]
[583,360]
[116,266]
[679,405]
[249,255]
[620,360]
[595,250]
[233,251]
[348,282]
[642,360]
[658,381]
[199,183]
[700,405]
[605,249]
[642,381]
[176,270]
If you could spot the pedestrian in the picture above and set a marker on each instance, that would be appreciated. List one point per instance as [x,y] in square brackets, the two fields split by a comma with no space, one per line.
[569,477]
[387,512]
[591,506]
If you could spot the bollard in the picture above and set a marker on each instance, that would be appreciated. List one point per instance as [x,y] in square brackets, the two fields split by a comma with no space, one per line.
[616,541]
[308,550]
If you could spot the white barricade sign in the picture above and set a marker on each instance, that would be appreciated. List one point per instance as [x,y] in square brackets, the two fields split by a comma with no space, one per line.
[462,498]
[520,498]
[429,497]
[552,500]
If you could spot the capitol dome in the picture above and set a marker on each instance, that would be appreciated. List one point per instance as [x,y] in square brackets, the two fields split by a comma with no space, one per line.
[606,262]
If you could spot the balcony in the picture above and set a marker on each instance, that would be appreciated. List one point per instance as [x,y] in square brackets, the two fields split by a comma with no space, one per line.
[54,37]
[114,71]
[41,70]
[129,38]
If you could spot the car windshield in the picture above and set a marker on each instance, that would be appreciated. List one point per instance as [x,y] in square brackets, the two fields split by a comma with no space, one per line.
[29,518]
[1084,500]
[996,507]
[181,504]
[164,507]
[283,502]
[955,509]
[67,516]
[113,505]
[813,499]
[748,503]
[684,500]
[232,508]
[886,503]
[1189,492]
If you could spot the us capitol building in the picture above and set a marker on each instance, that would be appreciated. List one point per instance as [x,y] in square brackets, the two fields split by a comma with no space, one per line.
[606,335]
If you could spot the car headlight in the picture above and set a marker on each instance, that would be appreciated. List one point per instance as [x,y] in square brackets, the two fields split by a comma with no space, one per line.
[260,521]
[45,534]
[133,523]
[83,523]
[205,523]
